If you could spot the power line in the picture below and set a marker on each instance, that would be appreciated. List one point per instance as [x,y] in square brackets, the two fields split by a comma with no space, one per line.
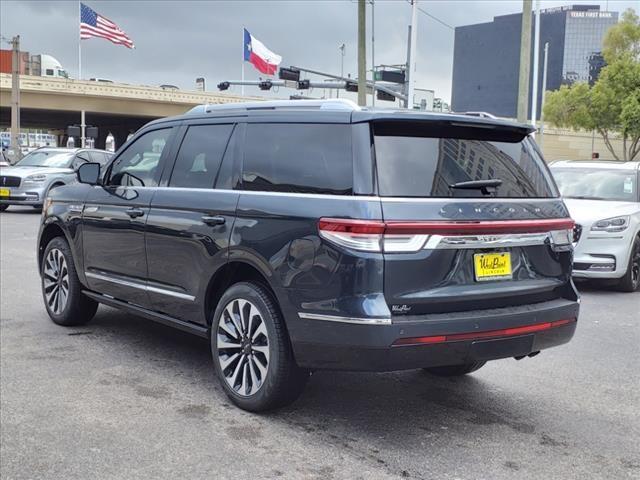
[433,17]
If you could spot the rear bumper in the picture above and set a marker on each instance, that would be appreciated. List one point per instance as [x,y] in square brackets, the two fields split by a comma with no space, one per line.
[347,346]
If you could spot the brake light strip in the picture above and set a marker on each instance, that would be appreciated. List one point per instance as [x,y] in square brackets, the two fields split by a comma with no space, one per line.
[505,332]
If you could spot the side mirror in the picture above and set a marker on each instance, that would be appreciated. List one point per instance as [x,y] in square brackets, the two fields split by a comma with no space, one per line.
[89,173]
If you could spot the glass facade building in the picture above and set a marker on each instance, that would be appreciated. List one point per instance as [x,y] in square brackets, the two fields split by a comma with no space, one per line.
[486,61]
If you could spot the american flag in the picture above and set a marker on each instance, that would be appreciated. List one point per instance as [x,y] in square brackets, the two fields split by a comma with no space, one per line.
[95,25]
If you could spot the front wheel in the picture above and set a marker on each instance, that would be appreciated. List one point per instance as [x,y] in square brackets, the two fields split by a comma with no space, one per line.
[631,280]
[455,370]
[61,288]
[251,350]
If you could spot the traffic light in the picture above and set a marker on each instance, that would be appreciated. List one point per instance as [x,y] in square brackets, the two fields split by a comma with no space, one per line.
[351,86]
[304,85]
[289,74]
[393,76]
[266,85]
[380,95]
[223,86]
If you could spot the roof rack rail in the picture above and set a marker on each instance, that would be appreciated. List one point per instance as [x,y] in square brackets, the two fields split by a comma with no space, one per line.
[327,104]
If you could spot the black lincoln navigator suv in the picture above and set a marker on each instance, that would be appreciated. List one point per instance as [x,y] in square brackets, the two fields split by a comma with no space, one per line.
[311,235]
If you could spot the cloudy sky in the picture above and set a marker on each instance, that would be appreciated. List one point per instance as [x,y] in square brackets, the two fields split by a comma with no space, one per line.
[177,41]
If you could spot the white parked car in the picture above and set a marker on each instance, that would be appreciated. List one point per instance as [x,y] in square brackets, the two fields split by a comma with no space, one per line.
[603,199]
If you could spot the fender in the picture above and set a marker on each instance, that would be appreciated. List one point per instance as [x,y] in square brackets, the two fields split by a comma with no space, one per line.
[72,234]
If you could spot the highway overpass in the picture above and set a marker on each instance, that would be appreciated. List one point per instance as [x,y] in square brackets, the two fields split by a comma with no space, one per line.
[116,108]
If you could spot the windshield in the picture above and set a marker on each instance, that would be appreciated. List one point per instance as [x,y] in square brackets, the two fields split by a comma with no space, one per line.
[415,161]
[597,183]
[46,158]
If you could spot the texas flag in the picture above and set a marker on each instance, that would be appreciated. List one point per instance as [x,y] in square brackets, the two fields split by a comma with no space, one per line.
[260,56]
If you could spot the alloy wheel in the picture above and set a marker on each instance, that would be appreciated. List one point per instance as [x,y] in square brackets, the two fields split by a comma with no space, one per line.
[243,347]
[56,281]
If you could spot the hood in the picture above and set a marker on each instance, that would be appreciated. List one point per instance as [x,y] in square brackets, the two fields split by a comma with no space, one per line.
[23,172]
[589,211]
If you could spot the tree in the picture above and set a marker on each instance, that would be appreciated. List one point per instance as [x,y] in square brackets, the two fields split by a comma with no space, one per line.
[623,39]
[612,105]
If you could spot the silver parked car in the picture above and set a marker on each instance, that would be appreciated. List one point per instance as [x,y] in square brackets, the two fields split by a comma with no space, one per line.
[29,181]
[603,199]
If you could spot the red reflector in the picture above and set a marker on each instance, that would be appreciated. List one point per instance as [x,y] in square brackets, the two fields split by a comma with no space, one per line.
[351,226]
[505,332]
[445,227]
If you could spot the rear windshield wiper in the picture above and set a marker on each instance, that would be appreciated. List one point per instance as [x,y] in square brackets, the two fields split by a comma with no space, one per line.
[482,185]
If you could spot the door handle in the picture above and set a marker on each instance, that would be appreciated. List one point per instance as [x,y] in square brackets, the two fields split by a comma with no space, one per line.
[135,212]
[213,221]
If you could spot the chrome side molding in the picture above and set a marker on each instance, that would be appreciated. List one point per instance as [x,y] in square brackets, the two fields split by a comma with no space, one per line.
[352,320]
[140,286]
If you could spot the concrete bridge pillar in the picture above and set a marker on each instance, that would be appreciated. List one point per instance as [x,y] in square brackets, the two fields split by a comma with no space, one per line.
[120,136]
[101,141]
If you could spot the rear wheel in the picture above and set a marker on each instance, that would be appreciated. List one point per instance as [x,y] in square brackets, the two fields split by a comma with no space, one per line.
[631,280]
[61,288]
[455,370]
[251,350]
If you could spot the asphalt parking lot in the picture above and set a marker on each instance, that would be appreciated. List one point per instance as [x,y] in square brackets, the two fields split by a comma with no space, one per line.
[124,397]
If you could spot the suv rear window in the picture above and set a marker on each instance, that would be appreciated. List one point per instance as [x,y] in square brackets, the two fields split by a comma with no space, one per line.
[302,158]
[415,160]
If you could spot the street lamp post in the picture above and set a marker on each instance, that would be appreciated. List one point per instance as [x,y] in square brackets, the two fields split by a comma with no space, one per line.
[342,49]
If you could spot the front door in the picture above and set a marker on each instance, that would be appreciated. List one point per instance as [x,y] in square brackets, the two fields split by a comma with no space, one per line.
[115,216]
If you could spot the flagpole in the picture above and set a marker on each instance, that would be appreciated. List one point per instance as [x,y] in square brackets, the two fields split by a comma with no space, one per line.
[243,47]
[82,116]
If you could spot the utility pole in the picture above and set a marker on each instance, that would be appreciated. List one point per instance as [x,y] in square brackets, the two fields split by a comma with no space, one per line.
[362,54]
[536,58]
[525,61]
[342,47]
[15,98]
[544,91]
[373,49]
[411,55]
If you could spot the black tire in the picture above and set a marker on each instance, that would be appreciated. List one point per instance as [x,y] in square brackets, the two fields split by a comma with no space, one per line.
[77,308]
[3,207]
[455,370]
[631,280]
[283,381]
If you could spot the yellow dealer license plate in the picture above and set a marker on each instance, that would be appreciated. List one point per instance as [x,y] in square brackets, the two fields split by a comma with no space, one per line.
[5,192]
[492,266]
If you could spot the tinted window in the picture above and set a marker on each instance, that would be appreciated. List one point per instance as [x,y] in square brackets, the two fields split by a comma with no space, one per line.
[99,157]
[139,164]
[298,158]
[200,155]
[80,158]
[597,183]
[413,163]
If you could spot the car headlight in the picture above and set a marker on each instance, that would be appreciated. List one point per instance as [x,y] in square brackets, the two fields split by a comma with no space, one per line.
[615,224]
[37,178]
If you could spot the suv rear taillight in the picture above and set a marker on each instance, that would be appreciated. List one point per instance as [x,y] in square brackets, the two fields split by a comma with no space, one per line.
[401,237]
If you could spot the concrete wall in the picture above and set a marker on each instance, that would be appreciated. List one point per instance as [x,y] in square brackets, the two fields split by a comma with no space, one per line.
[569,145]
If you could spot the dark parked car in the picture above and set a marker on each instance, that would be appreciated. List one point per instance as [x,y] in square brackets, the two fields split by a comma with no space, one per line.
[317,235]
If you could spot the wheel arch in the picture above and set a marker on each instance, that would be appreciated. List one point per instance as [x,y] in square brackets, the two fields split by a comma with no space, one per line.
[52,229]
[230,273]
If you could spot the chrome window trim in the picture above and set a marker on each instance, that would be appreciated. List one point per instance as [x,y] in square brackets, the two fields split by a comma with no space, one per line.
[351,320]
[140,286]
[369,198]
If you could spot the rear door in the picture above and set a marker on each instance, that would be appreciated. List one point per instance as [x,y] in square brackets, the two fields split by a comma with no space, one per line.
[475,246]
[190,221]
